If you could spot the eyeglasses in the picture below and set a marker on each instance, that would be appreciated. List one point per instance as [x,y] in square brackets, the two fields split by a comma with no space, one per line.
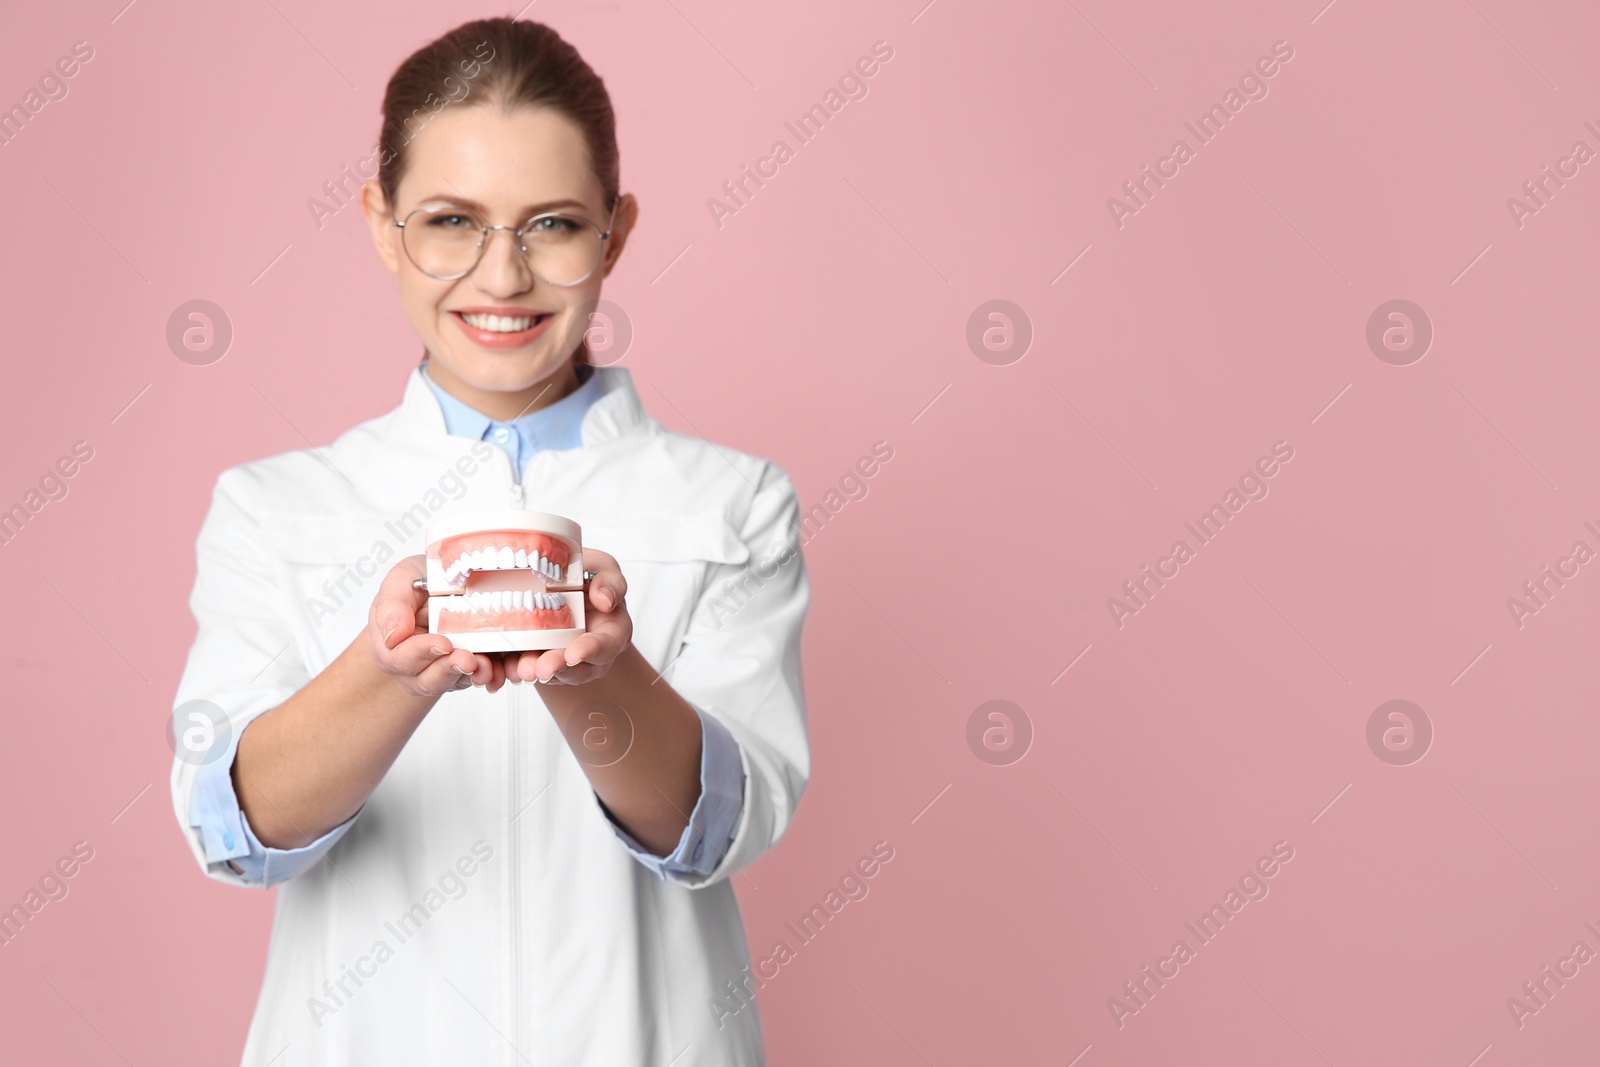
[447,242]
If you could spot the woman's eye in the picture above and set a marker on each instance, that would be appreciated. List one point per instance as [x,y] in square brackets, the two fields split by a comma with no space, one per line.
[555,225]
[451,222]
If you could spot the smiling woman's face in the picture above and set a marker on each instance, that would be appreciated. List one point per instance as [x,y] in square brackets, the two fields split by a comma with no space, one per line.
[514,165]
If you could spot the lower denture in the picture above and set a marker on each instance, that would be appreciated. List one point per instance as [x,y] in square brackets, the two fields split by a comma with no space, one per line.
[459,618]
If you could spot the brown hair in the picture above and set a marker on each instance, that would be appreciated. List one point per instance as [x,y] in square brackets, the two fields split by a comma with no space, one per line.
[506,63]
[501,62]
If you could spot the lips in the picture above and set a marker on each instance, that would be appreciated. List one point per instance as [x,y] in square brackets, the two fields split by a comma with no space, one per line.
[501,327]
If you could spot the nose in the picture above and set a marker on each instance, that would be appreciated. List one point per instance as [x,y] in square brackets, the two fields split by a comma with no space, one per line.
[503,270]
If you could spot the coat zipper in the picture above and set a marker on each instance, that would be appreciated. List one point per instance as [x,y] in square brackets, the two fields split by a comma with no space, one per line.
[514,857]
[516,874]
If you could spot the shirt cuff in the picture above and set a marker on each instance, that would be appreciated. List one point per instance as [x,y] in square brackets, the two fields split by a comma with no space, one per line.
[226,835]
[715,816]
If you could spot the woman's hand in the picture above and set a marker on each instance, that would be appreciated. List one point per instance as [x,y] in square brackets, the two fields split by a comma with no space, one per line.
[609,631]
[425,664]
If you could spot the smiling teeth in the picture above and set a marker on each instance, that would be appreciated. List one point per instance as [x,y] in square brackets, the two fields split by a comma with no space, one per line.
[502,559]
[498,323]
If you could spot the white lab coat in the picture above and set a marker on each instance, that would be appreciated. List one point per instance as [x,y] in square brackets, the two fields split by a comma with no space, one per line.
[558,947]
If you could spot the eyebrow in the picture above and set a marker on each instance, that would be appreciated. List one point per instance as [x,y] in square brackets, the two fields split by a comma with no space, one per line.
[526,213]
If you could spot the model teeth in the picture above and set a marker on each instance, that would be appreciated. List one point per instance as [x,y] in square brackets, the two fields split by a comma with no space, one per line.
[499,323]
[504,600]
[501,559]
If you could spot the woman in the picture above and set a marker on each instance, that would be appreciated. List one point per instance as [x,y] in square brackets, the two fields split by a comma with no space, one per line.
[472,869]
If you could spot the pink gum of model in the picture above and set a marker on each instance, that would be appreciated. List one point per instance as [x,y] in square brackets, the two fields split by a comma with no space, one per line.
[505,581]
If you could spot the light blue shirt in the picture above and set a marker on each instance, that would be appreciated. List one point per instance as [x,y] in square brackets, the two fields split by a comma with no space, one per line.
[556,425]
[226,833]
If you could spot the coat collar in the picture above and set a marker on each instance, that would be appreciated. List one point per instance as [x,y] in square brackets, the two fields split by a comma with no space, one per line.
[615,414]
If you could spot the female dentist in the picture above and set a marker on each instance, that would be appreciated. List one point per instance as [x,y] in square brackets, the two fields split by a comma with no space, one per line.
[471,869]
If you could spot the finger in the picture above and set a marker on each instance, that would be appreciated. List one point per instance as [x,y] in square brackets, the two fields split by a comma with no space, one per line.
[487,671]
[534,666]
[579,675]
[520,666]
[395,610]
[548,663]
[606,635]
[499,675]
[449,672]
[497,668]
[590,648]
[608,587]
[418,652]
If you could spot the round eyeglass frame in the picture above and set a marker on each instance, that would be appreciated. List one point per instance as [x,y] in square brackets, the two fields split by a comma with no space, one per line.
[517,232]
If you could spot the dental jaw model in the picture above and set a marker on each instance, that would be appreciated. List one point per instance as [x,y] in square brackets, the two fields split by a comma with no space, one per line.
[505,581]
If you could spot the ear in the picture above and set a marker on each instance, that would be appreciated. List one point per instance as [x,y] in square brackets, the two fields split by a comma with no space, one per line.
[380,220]
[622,225]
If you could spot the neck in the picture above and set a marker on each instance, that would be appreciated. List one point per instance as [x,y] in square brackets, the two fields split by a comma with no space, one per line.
[507,406]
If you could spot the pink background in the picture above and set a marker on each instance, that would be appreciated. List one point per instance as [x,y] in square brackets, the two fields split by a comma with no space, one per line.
[825,316]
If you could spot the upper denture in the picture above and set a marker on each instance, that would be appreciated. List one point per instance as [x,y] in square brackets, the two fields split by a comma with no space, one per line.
[504,550]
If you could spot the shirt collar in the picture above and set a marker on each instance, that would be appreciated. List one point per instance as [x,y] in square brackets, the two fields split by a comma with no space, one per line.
[554,426]
[618,413]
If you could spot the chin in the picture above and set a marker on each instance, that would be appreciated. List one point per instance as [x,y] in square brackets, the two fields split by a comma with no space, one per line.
[504,373]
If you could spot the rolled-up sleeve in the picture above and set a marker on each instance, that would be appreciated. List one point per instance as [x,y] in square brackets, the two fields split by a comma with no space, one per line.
[739,667]
[227,838]
[715,814]
[243,663]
